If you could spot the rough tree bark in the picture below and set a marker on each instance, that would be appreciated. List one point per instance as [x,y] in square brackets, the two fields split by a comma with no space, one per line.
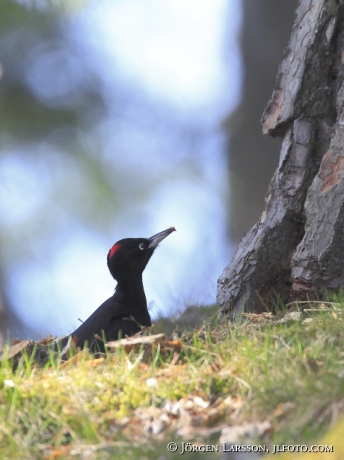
[296,248]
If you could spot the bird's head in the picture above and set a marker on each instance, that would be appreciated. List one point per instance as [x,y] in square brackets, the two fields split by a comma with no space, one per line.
[130,256]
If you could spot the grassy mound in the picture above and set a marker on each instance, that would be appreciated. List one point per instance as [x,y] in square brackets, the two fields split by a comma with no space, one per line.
[286,369]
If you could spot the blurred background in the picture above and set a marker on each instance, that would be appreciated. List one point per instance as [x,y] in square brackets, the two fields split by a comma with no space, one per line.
[120,118]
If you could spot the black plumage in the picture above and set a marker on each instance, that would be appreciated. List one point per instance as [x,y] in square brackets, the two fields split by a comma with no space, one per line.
[126,311]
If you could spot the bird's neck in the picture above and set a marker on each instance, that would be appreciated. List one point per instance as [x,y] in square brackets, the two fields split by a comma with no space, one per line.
[131,294]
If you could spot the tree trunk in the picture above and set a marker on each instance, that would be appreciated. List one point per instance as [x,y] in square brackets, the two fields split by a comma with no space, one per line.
[266,27]
[295,250]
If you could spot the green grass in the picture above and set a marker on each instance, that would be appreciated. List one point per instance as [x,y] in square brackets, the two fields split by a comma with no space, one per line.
[290,373]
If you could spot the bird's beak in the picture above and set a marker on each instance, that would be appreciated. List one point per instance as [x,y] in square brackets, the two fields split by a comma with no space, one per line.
[155,239]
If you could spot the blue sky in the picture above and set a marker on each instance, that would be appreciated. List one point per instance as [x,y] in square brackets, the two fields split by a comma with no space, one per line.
[182,54]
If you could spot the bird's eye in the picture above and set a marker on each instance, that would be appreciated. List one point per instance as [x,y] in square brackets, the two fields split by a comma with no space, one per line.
[141,246]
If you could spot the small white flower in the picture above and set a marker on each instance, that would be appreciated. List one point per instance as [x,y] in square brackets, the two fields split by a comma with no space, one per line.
[152,383]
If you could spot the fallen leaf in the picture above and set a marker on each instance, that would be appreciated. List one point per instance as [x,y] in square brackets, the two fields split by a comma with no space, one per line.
[15,350]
